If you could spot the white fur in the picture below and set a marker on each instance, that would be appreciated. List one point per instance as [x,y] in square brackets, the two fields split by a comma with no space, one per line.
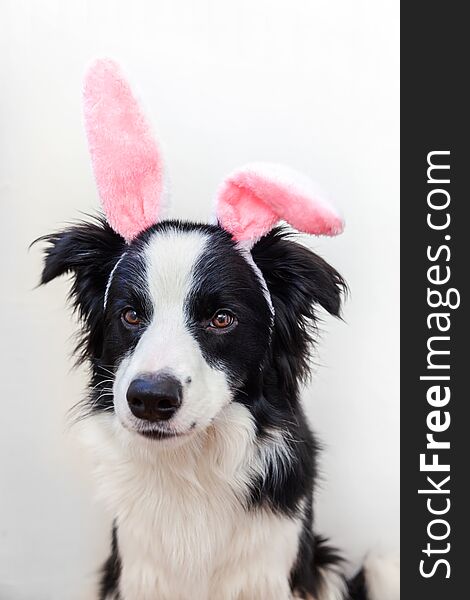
[167,345]
[382,575]
[183,531]
[333,586]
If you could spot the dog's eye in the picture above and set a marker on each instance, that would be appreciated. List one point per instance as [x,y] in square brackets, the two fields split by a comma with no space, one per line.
[130,317]
[222,319]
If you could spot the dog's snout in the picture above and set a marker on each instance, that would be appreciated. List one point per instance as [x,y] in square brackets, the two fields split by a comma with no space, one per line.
[154,397]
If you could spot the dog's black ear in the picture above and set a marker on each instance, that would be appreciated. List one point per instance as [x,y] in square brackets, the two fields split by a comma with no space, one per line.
[87,251]
[299,282]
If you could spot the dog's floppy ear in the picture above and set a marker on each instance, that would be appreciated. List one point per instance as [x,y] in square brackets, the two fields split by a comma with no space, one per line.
[253,199]
[126,159]
[296,276]
[299,281]
[250,202]
[87,251]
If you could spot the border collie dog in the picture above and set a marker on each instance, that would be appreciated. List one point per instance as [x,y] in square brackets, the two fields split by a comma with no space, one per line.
[198,337]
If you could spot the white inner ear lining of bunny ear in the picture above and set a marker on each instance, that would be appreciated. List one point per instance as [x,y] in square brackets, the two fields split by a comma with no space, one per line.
[245,252]
[110,279]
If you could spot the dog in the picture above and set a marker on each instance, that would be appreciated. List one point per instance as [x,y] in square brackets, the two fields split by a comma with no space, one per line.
[199,338]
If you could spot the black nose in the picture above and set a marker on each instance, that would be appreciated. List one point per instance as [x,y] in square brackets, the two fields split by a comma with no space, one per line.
[154,397]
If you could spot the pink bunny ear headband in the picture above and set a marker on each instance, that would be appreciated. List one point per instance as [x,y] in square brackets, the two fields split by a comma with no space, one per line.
[129,174]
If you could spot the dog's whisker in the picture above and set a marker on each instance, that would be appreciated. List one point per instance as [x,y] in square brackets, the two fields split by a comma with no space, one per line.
[102,383]
[106,370]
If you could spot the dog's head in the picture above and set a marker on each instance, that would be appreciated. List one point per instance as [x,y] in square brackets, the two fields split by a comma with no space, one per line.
[181,319]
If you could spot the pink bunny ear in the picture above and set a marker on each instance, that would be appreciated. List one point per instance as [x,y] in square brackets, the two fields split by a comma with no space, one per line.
[254,198]
[125,157]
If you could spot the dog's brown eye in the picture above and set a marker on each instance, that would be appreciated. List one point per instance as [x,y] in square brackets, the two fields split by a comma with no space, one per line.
[131,317]
[221,320]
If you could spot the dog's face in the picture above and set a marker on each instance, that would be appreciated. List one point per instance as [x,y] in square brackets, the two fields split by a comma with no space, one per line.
[187,324]
[179,323]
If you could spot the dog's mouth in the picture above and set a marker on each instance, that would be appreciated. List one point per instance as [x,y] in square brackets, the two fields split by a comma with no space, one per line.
[159,434]
[156,434]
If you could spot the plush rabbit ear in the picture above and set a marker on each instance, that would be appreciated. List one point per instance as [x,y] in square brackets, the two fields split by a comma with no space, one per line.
[253,199]
[126,159]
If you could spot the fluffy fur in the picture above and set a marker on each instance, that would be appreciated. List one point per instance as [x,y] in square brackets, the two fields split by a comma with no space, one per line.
[126,159]
[217,501]
[254,198]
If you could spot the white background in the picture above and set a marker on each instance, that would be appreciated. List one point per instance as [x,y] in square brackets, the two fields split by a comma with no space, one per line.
[310,83]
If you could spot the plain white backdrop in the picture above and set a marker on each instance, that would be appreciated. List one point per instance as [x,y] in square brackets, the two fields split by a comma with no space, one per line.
[310,83]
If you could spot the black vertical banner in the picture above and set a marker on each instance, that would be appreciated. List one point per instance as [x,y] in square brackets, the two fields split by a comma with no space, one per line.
[435,319]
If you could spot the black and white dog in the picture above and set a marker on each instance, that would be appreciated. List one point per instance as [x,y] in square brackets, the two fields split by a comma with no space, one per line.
[198,345]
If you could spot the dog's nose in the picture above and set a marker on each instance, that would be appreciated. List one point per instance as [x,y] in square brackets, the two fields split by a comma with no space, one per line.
[154,397]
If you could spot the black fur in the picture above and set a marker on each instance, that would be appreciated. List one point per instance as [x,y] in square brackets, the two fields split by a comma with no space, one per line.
[300,282]
[111,570]
[357,587]
[266,364]
[87,251]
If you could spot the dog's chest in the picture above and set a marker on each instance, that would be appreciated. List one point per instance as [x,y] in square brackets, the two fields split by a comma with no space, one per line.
[184,530]
[205,548]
